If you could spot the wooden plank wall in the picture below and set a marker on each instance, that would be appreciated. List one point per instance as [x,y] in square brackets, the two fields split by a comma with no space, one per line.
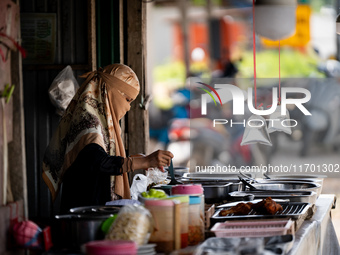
[9,26]
[40,118]
[135,56]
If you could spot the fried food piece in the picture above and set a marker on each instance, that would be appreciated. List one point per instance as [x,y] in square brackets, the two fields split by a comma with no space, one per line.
[239,209]
[265,207]
[271,207]
[258,206]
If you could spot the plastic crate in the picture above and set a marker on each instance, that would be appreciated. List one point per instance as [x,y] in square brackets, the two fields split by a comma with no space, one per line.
[257,228]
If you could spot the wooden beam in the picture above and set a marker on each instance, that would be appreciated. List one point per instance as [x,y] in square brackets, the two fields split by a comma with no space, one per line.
[92,34]
[121,31]
[57,67]
[121,60]
[17,148]
[135,52]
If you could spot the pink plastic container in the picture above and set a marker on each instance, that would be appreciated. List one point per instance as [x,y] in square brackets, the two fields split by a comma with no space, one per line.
[189,189]
[109,247]
[158,203]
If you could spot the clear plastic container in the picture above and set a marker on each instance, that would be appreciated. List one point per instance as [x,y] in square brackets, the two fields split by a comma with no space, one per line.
[196,223]
[191,190]
[133,223]
[163,216]
[184,208]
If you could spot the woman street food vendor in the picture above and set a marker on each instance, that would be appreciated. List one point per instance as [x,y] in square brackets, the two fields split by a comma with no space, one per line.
[86,150]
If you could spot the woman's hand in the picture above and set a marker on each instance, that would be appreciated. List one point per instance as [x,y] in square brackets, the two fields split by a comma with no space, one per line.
[158,159]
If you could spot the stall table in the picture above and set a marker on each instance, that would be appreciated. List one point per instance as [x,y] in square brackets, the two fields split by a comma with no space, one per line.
[317,235]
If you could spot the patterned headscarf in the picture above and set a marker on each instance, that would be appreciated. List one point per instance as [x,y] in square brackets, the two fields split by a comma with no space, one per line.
[92,117]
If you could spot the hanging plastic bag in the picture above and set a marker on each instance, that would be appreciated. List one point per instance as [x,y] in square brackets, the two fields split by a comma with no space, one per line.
[256,131]
[133,223]
[139,185]
[63,89]
[277,120]
[156,176]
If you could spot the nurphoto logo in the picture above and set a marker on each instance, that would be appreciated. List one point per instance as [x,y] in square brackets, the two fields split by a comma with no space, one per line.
[229,92]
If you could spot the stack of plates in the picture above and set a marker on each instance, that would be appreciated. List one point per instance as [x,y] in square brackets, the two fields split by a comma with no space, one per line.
[146,249]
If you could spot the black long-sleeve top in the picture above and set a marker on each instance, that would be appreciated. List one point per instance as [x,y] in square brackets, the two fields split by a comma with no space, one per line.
[87,181]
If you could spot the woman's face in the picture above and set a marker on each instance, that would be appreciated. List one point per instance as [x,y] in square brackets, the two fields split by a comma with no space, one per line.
[128,99]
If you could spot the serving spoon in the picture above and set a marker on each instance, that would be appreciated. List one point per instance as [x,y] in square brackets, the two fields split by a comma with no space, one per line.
[173,180]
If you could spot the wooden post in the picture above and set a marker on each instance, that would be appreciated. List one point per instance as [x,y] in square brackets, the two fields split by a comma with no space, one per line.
[135,55]
[121,31]
[92,58]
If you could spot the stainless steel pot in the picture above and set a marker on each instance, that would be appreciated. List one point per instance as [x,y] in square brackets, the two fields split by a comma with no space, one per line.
[215,190]
[215,193]
[77,229]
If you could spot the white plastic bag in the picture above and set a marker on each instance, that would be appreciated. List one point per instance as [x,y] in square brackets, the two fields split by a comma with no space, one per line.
[63,89]
[156,176]
[139,185]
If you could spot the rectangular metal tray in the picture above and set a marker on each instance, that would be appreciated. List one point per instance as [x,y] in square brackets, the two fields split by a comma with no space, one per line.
[294,210]
[296,196]
[213,176]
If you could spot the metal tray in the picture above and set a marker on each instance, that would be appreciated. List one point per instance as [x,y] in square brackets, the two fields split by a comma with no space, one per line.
[319,181]
[289,186]
[294,210]
[213,176]
[296,176]
[210,182]
[295,196]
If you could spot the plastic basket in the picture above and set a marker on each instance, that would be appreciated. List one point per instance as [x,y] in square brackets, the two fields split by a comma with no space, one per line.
[253,228]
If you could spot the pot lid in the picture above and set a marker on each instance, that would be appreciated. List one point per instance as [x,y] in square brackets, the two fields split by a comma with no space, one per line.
[95,210]
[81,217]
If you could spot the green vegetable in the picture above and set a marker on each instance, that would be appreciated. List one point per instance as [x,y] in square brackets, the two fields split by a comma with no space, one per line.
[154,193]
[107,223]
